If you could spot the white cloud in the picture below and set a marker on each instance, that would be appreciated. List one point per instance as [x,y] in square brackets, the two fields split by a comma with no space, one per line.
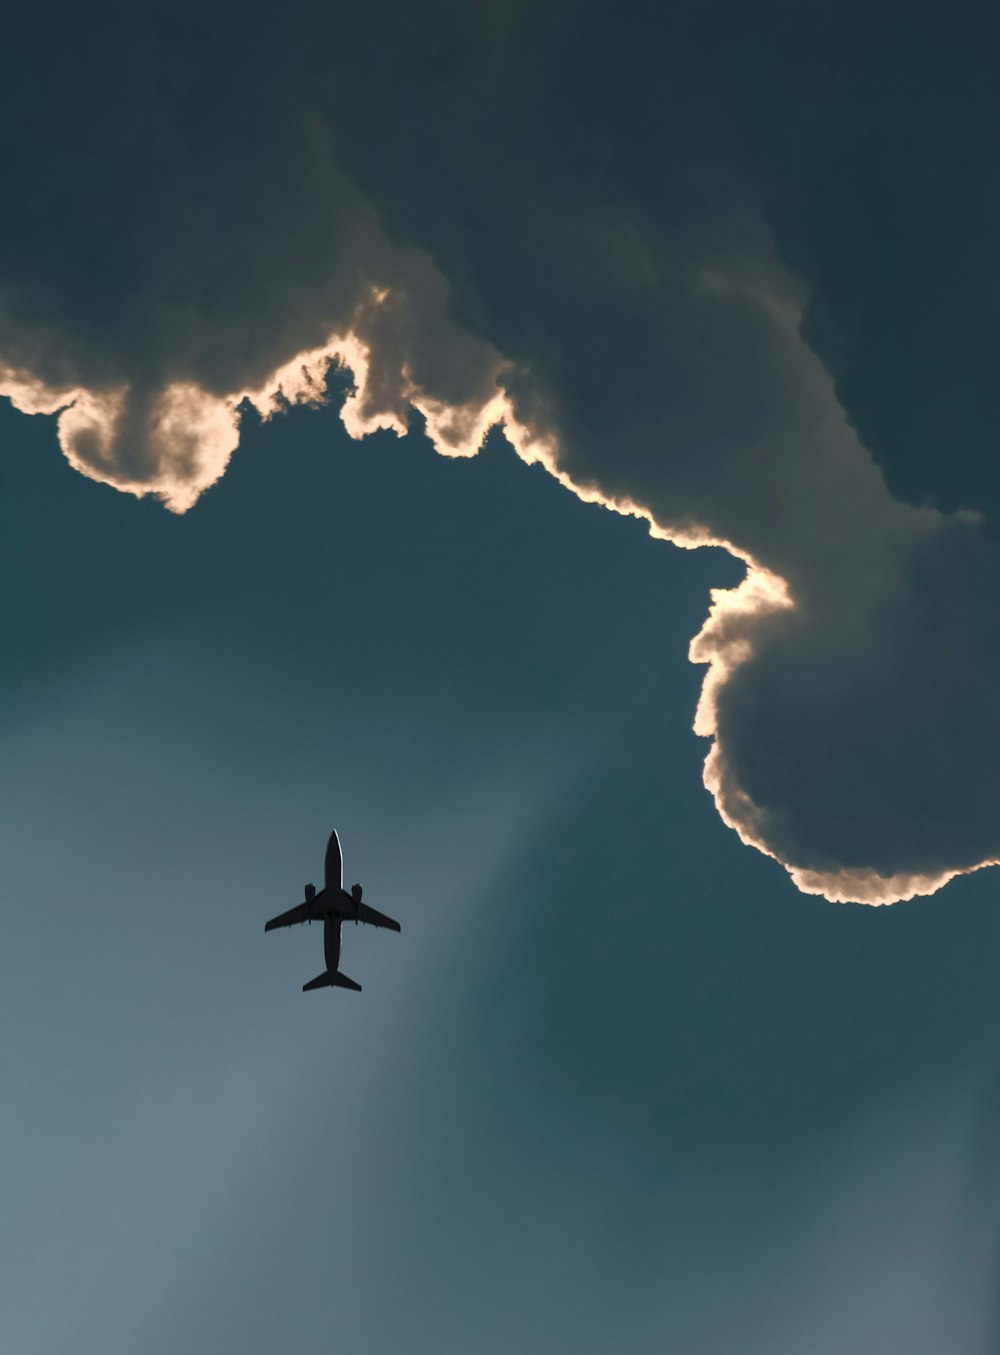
[643,344]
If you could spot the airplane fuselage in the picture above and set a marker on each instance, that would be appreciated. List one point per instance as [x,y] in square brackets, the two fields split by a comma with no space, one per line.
[331,943]
[334,904]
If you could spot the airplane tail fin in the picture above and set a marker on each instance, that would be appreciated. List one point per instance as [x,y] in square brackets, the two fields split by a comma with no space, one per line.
[332,979]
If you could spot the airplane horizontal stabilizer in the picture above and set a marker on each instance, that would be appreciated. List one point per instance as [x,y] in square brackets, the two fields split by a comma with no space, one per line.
[331,980]
[342,981]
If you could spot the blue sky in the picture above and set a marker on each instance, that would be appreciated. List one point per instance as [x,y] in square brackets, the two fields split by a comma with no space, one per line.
[616,1083]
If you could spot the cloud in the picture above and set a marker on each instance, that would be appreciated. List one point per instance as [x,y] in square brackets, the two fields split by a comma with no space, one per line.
[158,411]
[496,216]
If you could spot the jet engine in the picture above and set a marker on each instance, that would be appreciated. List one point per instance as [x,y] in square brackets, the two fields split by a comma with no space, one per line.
[310,893]
[356,893]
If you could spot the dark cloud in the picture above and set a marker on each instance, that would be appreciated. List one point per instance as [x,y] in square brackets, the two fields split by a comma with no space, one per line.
[584,224]
[899,717]
[178,230]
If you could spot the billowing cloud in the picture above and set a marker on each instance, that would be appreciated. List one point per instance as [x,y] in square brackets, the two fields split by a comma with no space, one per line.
[491,215]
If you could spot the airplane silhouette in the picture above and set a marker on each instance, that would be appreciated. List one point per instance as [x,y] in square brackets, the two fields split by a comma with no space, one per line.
[332,906]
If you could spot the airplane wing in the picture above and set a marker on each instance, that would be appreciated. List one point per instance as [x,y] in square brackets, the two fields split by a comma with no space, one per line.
[374,918]
[300,913]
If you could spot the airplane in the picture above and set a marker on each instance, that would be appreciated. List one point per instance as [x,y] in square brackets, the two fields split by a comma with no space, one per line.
[332,906]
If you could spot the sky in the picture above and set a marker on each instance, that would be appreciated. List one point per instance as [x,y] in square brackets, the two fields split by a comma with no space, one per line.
[329,339]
